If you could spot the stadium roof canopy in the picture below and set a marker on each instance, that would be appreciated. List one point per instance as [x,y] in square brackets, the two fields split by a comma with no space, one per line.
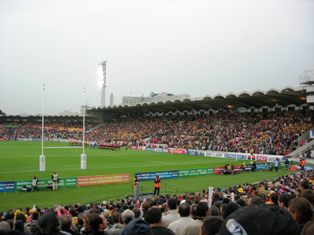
[258,99]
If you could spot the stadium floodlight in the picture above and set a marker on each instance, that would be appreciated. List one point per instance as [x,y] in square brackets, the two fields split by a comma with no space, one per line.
[103,84]
[100,77]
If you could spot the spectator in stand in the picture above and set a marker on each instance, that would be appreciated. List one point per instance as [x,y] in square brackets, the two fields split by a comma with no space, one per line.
[127,216]
[94,224]
[195,226]
[154,218]
[270,220]
[183,222]
[211,225]
[309,195]
[172,213]
[301,211]
[48,224]
[117,227]
[283,201]
[308,228]
[65,223]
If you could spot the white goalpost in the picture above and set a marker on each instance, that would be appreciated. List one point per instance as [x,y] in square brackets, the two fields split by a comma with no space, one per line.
[42,157]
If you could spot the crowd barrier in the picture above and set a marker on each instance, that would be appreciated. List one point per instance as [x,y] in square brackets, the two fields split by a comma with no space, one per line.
[67,182]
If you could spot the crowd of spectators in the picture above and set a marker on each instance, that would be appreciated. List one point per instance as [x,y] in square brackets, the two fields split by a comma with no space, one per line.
[52,130]
[308,153]
[266,133]
[263,133]
[283,205]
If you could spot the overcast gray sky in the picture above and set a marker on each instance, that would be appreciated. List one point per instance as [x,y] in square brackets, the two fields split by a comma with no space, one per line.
[195,47]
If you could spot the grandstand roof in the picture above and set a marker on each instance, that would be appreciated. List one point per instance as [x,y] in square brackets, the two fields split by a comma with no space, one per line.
[257,99]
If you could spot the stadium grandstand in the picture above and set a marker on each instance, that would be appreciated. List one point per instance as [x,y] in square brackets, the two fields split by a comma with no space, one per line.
[274,122]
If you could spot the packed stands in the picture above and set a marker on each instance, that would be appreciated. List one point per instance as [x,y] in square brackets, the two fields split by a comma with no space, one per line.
[283,205]
[267,133]
[274,133]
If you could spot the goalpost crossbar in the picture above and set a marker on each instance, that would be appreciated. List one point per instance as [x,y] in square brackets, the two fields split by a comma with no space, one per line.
[64,147]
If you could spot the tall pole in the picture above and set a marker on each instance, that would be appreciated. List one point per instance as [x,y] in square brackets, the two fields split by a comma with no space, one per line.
[42,158]
[83,155]
[84,109]
[42,119]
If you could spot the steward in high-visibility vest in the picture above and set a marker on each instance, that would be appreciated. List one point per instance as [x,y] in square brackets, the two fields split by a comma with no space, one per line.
[156,185]
[302,164]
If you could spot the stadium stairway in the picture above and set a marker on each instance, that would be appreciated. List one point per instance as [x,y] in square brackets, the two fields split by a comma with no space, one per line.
[296,153]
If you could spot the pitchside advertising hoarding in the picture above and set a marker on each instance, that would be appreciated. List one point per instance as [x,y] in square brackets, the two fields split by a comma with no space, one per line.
[45,183]
[102,179]
[8,186]
[173,174]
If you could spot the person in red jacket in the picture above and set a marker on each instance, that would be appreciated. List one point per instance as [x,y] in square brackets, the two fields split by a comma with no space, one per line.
[156,185]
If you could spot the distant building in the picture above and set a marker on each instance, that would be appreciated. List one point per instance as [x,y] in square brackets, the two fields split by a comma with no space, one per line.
[153,98]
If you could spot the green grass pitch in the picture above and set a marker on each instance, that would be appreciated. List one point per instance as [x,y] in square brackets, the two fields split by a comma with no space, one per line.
[19,161]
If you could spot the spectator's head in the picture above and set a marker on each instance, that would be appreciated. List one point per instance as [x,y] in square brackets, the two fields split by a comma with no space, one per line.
[48,223]
[137,227]
[283,200]
[273,198]
[256,200]
[127,216]
[271,221]
[65,223]
[241,202]
[202,209]
[211,225]
[231,207]
[93,222]
[214,211]
[4,227]
[309,195]
[153,215]
[116,217]
[19,226]
[301,210]
[32,228]
[172,203]
[308,228]
[304,184]
[184,210]
[137,212]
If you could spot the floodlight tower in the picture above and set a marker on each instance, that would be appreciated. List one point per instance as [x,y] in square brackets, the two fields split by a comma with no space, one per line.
[103,88]
[307,80]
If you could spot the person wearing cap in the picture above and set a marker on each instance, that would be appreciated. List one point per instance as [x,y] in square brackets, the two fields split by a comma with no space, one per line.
[156,185]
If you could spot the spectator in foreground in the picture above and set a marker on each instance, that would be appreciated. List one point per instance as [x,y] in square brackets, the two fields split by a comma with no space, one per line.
[153,217]
[185,220]
[211,225]
[301,211]
[271,220]
[172,214]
